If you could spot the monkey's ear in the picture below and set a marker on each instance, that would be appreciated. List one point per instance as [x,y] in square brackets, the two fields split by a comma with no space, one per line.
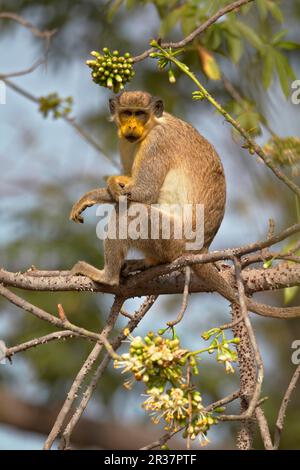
[112,105]
[158,107]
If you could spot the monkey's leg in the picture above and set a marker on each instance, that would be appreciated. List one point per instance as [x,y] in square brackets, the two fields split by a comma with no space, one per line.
[115,251]
[95,196]
[114,255]
[133,265]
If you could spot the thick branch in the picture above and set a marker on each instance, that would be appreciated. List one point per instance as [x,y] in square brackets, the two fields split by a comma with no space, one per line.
[255,280]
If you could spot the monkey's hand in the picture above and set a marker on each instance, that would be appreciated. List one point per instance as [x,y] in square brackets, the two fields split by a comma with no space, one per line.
[118,186]
[95,196]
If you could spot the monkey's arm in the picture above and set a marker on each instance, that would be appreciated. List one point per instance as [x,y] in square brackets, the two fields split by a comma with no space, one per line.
[95,196]
[147,178]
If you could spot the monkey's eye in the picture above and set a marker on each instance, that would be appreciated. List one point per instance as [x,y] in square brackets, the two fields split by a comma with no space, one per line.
[127,113]
[140,113]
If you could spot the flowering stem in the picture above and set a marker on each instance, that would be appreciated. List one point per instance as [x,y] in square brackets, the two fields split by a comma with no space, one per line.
[208,349]
[251,144]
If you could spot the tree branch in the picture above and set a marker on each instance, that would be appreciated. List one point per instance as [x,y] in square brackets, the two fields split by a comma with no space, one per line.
[188,39]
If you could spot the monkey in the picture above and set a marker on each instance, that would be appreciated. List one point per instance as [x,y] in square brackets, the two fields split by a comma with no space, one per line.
[165,161]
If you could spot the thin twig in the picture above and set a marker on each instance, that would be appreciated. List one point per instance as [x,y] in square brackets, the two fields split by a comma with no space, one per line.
[116,343]
[38,341]
[87,366]
[69,120]
[19,19]
[231,325]
[26,71]
[283,407]
[43,315]
[264,428]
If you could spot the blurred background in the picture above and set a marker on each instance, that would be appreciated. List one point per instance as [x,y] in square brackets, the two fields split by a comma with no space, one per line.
[46,165]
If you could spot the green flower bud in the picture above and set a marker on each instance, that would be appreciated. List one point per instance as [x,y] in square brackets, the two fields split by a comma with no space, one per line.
[95,53]
[153,43]
[127,55]
[106,73]
[109,83]
[116,53]
[172,78]
[105,50]
[219,409]
[127,72]
[101,69]
[235,340]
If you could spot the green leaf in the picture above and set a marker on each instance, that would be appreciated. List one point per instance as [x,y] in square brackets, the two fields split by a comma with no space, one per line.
[285,72]
[288,45]
[213,38]
[262,8]
[250,121]
[170,21]
[250,35]
[278,36]
[268,264]
[235,48]
[113,10]
[289,293]
[268,69]
[189,18]
[275,11]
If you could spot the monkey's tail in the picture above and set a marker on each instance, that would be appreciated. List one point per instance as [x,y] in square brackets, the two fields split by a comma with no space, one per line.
[209,274]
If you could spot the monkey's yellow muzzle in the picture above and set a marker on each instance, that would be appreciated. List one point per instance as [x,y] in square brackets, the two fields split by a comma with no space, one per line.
[132,129]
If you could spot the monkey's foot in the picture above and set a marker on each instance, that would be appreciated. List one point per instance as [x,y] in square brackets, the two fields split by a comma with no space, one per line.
[97,275]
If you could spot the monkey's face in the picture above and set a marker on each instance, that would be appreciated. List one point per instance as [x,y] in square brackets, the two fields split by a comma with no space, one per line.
[132,124]
[135,113]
